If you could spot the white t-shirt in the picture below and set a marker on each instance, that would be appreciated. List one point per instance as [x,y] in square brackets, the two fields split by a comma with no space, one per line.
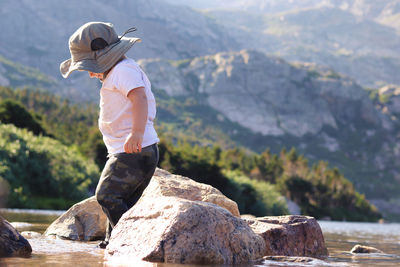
[116,110]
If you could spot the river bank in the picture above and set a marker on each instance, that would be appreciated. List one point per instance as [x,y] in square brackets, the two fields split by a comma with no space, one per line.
[340,237]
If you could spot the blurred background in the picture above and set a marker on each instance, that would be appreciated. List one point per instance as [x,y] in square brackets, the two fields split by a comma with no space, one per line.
[285,106]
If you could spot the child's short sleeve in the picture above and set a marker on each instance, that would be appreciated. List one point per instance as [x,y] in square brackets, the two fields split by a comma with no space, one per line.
[128,78]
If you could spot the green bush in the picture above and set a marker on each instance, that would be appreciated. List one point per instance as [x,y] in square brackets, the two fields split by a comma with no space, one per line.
[38,167]
[15,113]
[263,200]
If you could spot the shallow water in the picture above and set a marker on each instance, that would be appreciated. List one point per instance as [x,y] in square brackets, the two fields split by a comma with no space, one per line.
[340,237]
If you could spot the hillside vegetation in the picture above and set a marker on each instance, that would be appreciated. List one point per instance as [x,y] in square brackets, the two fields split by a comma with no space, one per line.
[61,171]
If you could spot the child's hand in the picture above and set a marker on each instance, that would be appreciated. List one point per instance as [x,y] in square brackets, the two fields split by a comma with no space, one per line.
[133,143]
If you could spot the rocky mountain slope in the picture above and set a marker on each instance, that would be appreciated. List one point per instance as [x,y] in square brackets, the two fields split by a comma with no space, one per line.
[265,94]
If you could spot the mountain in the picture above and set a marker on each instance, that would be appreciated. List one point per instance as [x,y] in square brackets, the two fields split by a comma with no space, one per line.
[386,12]
[359,38]
[278,104]
[264,94]
[36,35]
[383,11]
[358,47]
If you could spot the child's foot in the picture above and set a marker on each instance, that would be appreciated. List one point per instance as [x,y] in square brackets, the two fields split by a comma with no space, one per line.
[103,244]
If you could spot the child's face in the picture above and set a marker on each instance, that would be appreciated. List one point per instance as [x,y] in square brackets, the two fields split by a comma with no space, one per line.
[99,76]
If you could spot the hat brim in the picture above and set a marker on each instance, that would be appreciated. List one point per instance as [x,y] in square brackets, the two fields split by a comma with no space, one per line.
[104,59]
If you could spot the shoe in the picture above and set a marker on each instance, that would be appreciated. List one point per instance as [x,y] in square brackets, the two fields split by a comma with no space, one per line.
[103,244]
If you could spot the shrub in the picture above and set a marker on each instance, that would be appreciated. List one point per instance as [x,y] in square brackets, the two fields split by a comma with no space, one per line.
[15,113]
[37,166]
[258,197]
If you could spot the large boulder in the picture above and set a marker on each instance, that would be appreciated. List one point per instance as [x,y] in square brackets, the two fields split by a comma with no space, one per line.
[291,235]
[84,221]
[166,184]
[176,230]
[12,244]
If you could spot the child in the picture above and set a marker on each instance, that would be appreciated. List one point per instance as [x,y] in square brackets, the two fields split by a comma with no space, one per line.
[127,111]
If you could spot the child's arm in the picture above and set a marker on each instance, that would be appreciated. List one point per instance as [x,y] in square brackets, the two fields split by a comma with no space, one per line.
[133,142]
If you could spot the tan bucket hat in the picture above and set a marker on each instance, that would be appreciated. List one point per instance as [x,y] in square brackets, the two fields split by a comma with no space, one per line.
[96,47]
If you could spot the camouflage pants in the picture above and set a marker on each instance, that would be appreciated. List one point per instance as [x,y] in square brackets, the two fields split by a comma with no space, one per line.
[123,180]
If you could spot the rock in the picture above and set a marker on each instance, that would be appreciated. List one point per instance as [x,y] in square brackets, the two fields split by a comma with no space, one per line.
[30,234]
[86,220]
[12,244]
[290,235]
[364,249]
[83,221]
[166,184]
[304,90]
[176,230]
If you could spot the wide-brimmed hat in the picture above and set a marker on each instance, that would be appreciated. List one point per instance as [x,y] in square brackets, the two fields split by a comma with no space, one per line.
[96,47]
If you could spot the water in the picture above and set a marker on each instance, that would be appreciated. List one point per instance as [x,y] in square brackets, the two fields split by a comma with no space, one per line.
[340,237]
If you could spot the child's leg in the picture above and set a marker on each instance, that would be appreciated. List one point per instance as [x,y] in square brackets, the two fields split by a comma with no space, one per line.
[125,175]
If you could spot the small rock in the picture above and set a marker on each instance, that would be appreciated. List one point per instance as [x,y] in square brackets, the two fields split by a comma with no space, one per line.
[364,249]
[30,234]
[12,244]
[83,221]
[175,230]
[291,235]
